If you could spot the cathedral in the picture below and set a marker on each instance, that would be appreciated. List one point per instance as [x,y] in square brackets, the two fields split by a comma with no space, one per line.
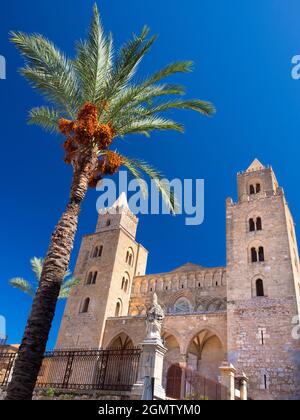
[241,313]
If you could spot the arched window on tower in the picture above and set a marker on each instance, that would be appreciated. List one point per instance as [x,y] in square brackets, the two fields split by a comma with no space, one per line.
[85,306]
[118,310]
[90,278]
[258,188]
[258,224]
[95,254]
[261,254]
[260,288]
[94,277]
[251,225]
[252,190]
[129,257]
[253,255]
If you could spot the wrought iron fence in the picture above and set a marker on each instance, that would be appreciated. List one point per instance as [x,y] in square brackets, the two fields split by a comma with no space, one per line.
[201,388]
[111,369]
[7,361]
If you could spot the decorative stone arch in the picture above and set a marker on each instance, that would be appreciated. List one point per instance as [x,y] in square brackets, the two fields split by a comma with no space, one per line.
[217,278]
[208,279]
[179,294]
[224,282]
[205,353]
[214,305]
[159,284]
[182,281]
[123,335]
[167,331]
[152,285]
[167,284]
[197,330]
[182,306]
[202,304]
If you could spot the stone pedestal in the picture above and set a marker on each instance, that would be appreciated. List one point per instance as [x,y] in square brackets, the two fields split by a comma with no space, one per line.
[227,381]
[243,387]
[151,366]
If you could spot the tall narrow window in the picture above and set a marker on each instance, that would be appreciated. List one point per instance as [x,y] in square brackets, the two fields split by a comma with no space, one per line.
[252,189]
[261,254]
[129,257]
[118,309]
[96,250]
[251,225]
[258,188]
[85,306]
[90,278]
[94,277]
[258,224]
[253,255]
[260,288]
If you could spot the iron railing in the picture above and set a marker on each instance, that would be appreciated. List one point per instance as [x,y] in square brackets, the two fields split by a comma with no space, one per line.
[199,387]
[111,369]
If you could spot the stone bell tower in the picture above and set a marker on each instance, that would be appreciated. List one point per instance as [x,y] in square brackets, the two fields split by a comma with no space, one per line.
[263,286]
[107,262]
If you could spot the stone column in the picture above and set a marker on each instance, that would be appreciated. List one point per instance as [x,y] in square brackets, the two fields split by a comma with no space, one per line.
[151,366]
[243,387]
[183,366]
[227,381]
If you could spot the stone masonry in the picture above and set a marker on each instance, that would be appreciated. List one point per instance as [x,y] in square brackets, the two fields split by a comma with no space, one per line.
[240,314]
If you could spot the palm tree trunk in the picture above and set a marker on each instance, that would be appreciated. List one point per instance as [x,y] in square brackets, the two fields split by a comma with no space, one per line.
[30,355]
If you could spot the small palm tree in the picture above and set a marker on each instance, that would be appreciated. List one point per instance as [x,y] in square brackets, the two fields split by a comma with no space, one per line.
[94,99]
[30,288]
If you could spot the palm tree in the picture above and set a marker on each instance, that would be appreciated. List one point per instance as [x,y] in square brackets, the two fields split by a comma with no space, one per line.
[93,100]
[30,288]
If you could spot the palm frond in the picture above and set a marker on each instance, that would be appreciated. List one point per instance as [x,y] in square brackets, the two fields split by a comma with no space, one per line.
[66,287]
[127,62]
[48,70]
[146,125]
[37,267]
[131,97]
[203,107]
[23,285]
[94,61]
[178,67]
[45,117]
[136,167]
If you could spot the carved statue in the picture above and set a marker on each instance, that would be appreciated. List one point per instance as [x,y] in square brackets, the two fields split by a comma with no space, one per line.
[154,320]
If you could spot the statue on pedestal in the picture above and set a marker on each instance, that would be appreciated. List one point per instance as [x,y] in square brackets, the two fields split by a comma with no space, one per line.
[154,320]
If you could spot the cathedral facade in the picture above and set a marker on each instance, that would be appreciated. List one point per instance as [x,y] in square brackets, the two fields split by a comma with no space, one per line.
[242,313]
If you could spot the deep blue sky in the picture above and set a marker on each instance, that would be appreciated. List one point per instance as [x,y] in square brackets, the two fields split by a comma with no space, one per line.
[242,51]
